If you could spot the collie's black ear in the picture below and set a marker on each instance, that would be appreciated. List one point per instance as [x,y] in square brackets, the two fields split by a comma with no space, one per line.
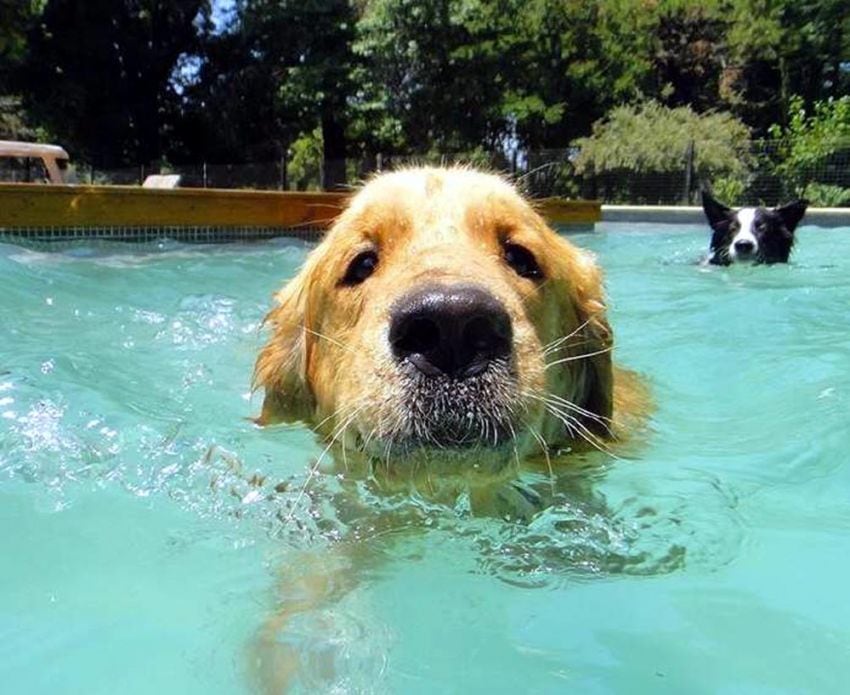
[715,211]
[792,213]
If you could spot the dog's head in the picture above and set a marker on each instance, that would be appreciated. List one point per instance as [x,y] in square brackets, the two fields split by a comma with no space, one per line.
[441,319]
[756,235]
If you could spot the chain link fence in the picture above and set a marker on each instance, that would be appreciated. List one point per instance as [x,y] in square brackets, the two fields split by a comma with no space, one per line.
[769,172]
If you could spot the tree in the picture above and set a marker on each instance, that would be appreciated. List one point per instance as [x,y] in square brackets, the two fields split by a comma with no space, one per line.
[430,77]
[281,69]
[813,149]
[14,121]
[779,48]
[230,104]
[453,75]
[815,49]
[317,82]
[16,18]
[100,74]
[688,57]
[129,81]
[634,142]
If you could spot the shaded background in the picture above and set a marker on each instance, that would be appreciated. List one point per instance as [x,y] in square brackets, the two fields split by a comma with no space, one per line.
[750,96]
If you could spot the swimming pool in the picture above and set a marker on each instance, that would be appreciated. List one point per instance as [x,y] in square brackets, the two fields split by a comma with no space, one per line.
[137,557]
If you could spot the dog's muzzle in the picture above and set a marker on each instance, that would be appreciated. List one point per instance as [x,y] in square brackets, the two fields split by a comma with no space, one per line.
[453,346]
[744,249]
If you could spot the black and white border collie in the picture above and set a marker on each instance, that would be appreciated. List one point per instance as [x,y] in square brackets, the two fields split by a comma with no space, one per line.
[755,235]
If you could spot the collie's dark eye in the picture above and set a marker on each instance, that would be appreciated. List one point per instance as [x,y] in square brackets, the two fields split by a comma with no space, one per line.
[522,261]
[360,268]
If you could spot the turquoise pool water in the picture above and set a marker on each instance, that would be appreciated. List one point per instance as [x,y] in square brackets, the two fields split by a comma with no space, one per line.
[137,558]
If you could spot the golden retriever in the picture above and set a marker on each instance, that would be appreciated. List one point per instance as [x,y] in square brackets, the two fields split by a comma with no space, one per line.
[440,335]
[442,327]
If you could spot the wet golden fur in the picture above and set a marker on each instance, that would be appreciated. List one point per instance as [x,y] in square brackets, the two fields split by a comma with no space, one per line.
[327,362]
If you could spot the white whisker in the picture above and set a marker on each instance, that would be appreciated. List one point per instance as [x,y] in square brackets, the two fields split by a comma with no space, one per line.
[573,358]
[545,447]
[559,402]
[329,339]
[589,413]
[314,469]
[555,344]
[572,423]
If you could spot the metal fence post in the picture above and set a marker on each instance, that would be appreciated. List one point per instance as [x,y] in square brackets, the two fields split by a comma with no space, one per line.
[689,169]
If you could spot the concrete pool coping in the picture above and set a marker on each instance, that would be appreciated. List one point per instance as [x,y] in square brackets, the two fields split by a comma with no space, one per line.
[692,214]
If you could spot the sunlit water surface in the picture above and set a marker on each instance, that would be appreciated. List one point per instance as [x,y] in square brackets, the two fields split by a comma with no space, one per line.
[138,558]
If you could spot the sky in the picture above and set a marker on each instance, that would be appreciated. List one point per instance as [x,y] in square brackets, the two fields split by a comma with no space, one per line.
[221,9]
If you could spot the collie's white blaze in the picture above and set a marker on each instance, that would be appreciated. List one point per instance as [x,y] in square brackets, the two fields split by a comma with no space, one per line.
[746,220]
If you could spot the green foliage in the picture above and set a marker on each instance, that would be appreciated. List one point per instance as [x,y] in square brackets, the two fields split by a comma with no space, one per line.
[15,123]
[806,145]
[814,48]
[305,161]
[132,81]
[654,138]
[811,137]
[478,158]
[274,72]
[99,74]
[688,53]
[433,74]
[824,195]
[729,189]
[16,19]
[456,74]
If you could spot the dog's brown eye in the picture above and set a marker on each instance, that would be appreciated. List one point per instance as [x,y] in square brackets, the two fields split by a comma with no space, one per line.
[522,261]
[360,268]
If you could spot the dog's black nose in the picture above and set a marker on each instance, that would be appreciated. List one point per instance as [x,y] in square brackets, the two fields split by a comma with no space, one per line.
[456,330]
[744,247]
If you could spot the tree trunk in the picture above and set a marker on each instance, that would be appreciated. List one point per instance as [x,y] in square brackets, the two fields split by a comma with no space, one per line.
[334,149]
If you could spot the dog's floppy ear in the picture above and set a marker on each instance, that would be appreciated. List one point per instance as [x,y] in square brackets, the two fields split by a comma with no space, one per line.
[596,376]
[792,213]
[599,387]
[281,367]
[714,210]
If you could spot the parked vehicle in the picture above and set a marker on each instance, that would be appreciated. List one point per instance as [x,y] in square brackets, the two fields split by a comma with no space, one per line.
[30,162]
